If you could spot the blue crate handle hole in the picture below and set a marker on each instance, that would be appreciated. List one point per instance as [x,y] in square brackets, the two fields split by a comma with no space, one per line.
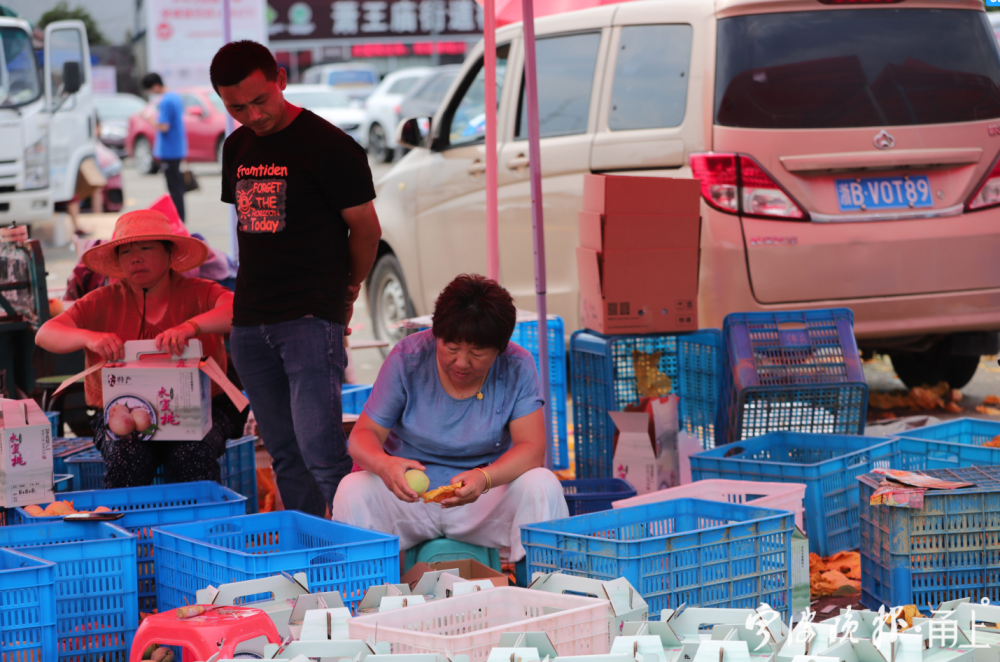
[324,558]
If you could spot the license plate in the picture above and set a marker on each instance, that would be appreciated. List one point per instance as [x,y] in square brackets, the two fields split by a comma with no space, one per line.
[868,193]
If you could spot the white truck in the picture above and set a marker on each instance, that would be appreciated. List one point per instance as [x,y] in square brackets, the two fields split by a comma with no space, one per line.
[47,120]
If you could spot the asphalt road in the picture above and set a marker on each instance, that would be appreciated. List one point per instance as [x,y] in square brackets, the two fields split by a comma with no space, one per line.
[208,216]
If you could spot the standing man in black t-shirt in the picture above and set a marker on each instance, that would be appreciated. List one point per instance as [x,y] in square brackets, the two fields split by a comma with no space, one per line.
[308,235]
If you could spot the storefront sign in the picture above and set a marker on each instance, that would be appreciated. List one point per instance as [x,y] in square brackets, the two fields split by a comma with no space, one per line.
[326,19]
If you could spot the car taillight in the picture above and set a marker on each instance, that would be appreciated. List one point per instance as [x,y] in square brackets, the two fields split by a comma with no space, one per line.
[717,173]
[988,193]
[735,183]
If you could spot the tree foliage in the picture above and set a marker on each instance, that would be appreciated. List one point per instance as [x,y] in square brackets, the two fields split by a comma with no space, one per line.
[62,12]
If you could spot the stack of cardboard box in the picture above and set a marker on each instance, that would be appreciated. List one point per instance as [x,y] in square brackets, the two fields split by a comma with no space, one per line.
[638,254]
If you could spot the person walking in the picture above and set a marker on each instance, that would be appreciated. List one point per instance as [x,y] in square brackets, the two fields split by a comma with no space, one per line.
[171,145]
[308,236]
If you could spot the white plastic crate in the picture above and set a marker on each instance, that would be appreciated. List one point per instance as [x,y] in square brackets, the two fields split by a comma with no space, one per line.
[779,496]
[472,624]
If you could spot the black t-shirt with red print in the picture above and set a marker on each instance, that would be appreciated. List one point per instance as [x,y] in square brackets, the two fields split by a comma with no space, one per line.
[289,188]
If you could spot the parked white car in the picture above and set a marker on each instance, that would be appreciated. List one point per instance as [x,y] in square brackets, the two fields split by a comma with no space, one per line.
[355,79]
[378,134]
[329,104]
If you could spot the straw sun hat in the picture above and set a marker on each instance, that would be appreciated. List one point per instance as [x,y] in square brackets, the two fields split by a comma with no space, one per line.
[145,225]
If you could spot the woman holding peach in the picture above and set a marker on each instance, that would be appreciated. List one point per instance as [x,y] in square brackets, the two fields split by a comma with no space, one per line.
[150,300]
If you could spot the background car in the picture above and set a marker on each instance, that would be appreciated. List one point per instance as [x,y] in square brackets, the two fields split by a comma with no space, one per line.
[356,80]
[113,112]
[329,104]
[378,134]
[204,119]
[425,97]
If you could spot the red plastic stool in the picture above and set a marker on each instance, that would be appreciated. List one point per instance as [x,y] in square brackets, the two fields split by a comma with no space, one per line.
[219,630]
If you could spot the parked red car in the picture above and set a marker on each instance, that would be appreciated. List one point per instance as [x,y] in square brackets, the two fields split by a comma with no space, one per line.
[204,119]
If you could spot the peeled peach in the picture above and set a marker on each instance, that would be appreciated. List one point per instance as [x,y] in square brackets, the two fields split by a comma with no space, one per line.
[121,424]
[142,419]
[34,511]
[102,509]
[417,480]
[59,508]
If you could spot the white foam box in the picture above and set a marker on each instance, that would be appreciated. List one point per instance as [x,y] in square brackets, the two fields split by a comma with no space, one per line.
[174,390]
[284,591]
[626,603]
[25,454]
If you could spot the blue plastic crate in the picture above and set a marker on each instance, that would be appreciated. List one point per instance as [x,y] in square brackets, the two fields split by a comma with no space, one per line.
[239,469]
[27,607]
[354,396]
[828,465]
[96,603]
[592,495]
[146,507]
[702,553]
[334,556]
[700,375]
[526,335]
[796,371]
[62,483]
[971,431]
[944,551]
[63,448]
[53,417]
[603,379]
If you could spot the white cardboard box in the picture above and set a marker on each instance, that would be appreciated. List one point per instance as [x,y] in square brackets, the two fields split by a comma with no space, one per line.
[25,454]
[175,391]
[647,465]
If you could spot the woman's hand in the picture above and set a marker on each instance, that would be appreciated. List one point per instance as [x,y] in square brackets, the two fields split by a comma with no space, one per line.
[473,484]
[392,471]
[175,339]
[106,345]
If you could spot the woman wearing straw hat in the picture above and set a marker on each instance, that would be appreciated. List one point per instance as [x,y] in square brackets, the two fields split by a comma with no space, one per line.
[150,300]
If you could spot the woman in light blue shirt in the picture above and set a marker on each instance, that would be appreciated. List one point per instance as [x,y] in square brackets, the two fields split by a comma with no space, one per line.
[462,403]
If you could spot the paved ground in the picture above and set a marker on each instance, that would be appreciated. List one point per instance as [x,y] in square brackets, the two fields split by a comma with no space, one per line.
[210,218]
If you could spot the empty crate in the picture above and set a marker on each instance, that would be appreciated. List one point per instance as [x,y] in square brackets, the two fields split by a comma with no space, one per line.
[592,495]
[334,556]
[472,624]
[795,371]
[27,607]
[686,551]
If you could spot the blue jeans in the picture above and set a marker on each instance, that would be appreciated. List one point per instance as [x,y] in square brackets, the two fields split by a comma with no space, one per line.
[292,372]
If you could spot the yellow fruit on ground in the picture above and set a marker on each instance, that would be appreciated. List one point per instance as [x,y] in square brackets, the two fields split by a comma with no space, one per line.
[417,480]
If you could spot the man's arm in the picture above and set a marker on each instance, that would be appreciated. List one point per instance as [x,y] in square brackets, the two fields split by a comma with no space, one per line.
[362,245]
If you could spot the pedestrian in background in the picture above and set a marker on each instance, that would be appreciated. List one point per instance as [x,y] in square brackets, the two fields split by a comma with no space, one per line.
[308,236]
[171,144]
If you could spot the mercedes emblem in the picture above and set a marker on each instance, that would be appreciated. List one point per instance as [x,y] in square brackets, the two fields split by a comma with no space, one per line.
[884,140]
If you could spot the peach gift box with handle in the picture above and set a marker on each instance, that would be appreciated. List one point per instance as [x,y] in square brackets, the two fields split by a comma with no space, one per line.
[174,390]
[25,454]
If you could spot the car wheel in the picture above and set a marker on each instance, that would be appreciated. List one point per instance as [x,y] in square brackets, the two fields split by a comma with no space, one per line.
[388,301]
[378,145]
[935,365]
[142,157]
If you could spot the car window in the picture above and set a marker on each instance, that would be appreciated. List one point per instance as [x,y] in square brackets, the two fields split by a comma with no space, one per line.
[565,79]
[402,86]
[351,77]
[217,102]
[318,99]
[117,108]
[435,92]
[468,116]
[651,77]
[19,79]
[191,100]
[856,67]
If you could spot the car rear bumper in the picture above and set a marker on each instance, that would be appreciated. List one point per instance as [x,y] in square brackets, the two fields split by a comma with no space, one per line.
[725,287]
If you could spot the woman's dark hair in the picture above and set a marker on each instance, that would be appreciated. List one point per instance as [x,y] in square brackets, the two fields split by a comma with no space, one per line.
[475,310]
[237,60]
[169,245]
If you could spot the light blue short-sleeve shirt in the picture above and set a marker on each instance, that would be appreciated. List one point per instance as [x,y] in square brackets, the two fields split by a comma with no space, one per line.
[447,435]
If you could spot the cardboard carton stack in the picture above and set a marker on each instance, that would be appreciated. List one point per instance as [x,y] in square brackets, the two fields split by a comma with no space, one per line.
[638,254]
